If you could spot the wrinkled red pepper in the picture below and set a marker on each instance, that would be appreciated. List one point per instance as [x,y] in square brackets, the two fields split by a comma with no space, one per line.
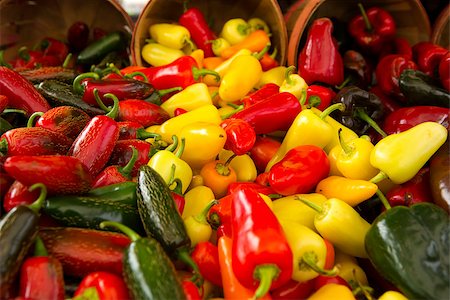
[194,20]
[206,256]
[240,135]
[428,55]
[398,45]
[107,286]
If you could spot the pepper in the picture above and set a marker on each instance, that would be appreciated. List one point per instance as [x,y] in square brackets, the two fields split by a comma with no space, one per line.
[235,30]
[260,94]
[196,199]
[268,61]
[194,96]
[54,47]
[261,256]
[159,55]
[294,84]
[428,56]
[293,290]
[240,135]
[170,35]
[220,213]
[322,280]
[16,194]
[194,20]
[421,89]
[206,255]
[105,285]
[18,229]
[424,225]
[95,51]
[122,153]
[60,174]
[397,45]
[21,93]
[263,150]
[333,290]
[413,191]
[358,69]
[6,182]
[320,60]
[274,75]
[254,41]
[78,36]
[444,70]
[392,295]
[41,276]
[130,130]
[197,227]
[217,175]
[439,175]
[397,160]
[142,112]
[317,93]
[389,105]
[223,68]
[372,28]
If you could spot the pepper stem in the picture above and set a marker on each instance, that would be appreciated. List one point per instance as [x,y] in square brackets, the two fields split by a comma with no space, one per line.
[39,248]
[126,170]
[3,147]
[115,109]
[178,189]
[383,199]
[310,259]
[67,60]
[13,110]
[345,147]
[137,73]
[344,83]
[180,149]
[100,102]
[314,101]
[265,274]
[142,134]
[124,229]
[77,86]
[202,216]
[379,177]
[330,109]
[235,111]
[23,53]
[36,205]
[360,113]
[174,144]
[162,93]
[314,206]
[288,73]
[365,17]
[30,122]
[259,55]
[197,73]
[2,60]
[183,255]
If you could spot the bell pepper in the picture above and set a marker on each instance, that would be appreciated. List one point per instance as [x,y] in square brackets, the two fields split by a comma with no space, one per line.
[372,28]
[413,191]
[388,71]
[439,177]
[395,157]
[357,68]
[158,55]
[240,136]
[194,20]
[333,290]
[340,224]
[232,87]
[217,175]
[428,56]
[192,97]
[190,289]
[422,226]
[444,70]
[294,84]
[235,30]
[170,35]
[261,256]
[320,60]
[254,41]
[407,117]
[222,68]
[197,227]
[104,285]
[41,276]
[206,255]
[243,165]
[263,150]
[220,213]
[421,89]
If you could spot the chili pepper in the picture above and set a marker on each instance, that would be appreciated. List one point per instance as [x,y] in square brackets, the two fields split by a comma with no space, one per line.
[268,61]
[260,94]
[18,194]
[178,196]
[243,165]
[95,51]
[444,70]
[232,88]
[258,264]
[223,68]
[129,130]
[421,89]
[158,55]
[413,191]
[314,93]
[422,224]
[78,36]
[276,112]
[212,62]
[428,56]
[60,174]
[206,255]
[394,295]
[439,174]
[397,45]
[122,153]
[293,290]
[142,112]
[6,182]
[262,189]
[40,74]
[255,42]
[197,226]
[263,150]
[319,60]
[322,280]
[358,69]
[240,135]
[194,20]
[21,93]
[397,160]
[331,290]
[104,285]
[55,48]
[194,96]
[294,84]
[389,105]
[3,102]
[196,199]
[41,276]
[217,175]
[220,213]
[33,141]
[170,35]
[388,71]
[191,291]
[235,30]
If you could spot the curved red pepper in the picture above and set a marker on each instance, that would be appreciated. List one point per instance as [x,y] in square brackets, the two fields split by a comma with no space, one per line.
[299,171]
[240,135]
[261,256]
[444,71]
[413,191]
[428,55]
[78,36]
[267,90]
[108,286]
[263,189]
[268,61]
[142,112]
[201,34]
[323,93]
[320,60]
[18,194]
[206,256]
[122,153]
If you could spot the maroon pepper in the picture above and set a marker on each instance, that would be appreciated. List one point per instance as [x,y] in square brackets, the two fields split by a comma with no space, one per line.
[122,153]
[240,135]
[428,55]
[5,184]
[201,34]
[78,36]
[413,191]
[21,93]
[206,256]
[129,130]
[18,194]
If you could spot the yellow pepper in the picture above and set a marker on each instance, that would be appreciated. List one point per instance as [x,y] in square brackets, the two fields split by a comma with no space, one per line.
[275,75]
[204,141]
[309,251]
[218,45]
[243,165]
[294,84]
[392,295]
[340,224]
[173,36]
[197,226]
[291,209]
[195,200]
[158,55]
[332,291]
[198,55]
[332,158]
[192,97]
[197,180]
[352,191]
[221,69]
[170,166]
[258,24]
[235,30]
[349,269]
[243,74]
[206,113]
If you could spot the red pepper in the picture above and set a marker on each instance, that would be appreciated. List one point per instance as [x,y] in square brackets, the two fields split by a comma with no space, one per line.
[133,130]
[372,28]
[3,103]
[320,60]
[60,174]
[224,230]
[444,71]
[388,72]
[406,117]
[33,141]
[324,94]
[190,290]
[206,256]
[178,196]
[274,113]
[293,290]
[398,45]
[261,256]
[182,72]
[41,276]
[201,34]
[413,191]
[78,36]
[83,251]
[389,105]
[54,48]
[263,189]
[21,93]
[268,61]
[179,111]
[299,171]
[240,135]
[67,120]
[263,179]
[220,213]
[428,55]
[18,194]
[358,67]
[142,112]
[263,150]
[267,90]
[107,286]
[122,153]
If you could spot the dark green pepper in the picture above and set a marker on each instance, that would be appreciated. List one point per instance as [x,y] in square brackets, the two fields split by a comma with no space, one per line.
[440,177]
[409,246]
[421,89]
[4,126]
[96,51]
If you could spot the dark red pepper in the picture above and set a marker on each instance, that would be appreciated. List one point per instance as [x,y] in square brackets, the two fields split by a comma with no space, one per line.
[444,71]
[267,90]
[324,94]
[398,45]
[52,47]
[18,194]
[142,112]
[133,130]
[261,256]
[201,34]
[293,290]
[206,256]
[263,150]
[122,153]
[268,61]
[107,286]
[21,93]
[179,111]
[428,55]
[78,36]
[59,173]
[413,191]
[320,60]
[5,184]
[240,135]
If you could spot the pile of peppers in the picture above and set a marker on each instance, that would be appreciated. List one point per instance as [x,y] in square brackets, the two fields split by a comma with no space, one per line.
[242,180]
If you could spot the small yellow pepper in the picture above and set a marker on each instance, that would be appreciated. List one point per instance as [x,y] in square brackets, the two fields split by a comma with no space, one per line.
[199,56]
[173,36]
[352,191]
[392,295]
[192,97]
[243,74]
[349,269]
[158,55]
[197,226]
[258,24]
[294,84]
[196,199]
[222,68]
[275,75]
[218,45]
[235,30]
[243,165]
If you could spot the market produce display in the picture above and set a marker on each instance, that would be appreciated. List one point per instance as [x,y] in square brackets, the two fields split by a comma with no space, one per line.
[217,171]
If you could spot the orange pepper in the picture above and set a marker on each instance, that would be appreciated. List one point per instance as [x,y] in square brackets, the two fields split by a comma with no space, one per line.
[199,57]
[212,62]
[217,175]
[255,42]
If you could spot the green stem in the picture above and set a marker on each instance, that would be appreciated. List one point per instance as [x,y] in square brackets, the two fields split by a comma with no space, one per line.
[226,116]
[67,60]
[265,274]
[39,248]
[197,73]
[112,112]
[174,144]
[310,258]
[126,230]
[379,177]
[30,122]
[183,255]
[3,147]
[345,147]
[100,102]
[137,73]
[330,109]
[228,162]
[314,206]
[13,110]
[3,61]
[126,170]
[274,53]
[261,53]
[343,84]
[77,85]
[181,148]
[362,114]
[383,199]
[202,216]
[314,101]
[142,134]
[288,73]
[23,53]
[36,205]
[365,17]
[162,93]
[178,185]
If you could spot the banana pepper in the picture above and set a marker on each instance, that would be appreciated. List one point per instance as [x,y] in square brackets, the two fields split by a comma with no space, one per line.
[170,35]
[294,84]
[243,165]
[197,226]
[158,55]
[275,75]
[192,97]
[223,67]
[195,200]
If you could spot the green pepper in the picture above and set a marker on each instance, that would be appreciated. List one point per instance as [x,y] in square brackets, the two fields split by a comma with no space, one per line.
[94,52]
[421,89]
[4,126]
[440,177]
[410,248]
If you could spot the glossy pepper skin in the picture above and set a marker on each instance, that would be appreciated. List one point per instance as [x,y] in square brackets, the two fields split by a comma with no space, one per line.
[324,94]
[240,135]
[145,113]
[423,226]
[258,243]
[267,90]
[206,256]
[440,177]
[108,286]
[428,56]
[320,60]
[194,20]
[122,153]
[18,194]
